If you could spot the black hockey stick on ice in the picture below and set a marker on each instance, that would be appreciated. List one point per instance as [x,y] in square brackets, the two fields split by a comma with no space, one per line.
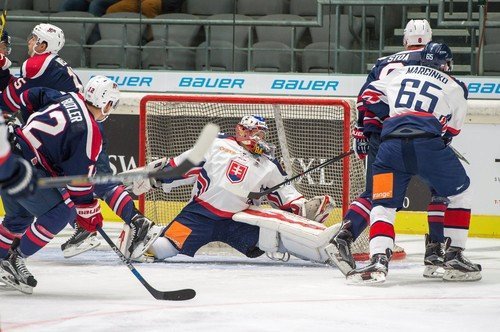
[176,295]
[207,136]
[259,194]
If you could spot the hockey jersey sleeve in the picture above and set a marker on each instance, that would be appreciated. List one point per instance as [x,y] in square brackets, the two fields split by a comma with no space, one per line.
[34,99]
[286,197]
[459,107]
[7,159]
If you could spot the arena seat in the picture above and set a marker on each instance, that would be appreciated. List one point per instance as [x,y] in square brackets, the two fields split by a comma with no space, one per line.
[282,34]
[271,56]
[22,29]
[76,31]
[47,6]
[182,34]
[73,53]
[317,59]
[220,56]
[19,4]
[238,34]
[206,8]
[262,7]
[167,56]
[110,54]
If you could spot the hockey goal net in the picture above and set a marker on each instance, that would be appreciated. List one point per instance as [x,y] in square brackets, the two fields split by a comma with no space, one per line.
[305,131]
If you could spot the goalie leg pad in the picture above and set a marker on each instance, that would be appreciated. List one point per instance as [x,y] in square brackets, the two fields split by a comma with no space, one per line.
[297,235]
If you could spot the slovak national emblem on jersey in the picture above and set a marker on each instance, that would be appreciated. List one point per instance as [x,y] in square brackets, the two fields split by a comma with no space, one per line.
[236,172]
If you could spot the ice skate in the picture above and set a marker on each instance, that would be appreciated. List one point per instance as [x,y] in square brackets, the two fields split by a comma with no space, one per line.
[433,259]
[457,267]
[375,272]
[339,249]
[136,238]
[80,242]
[14,273]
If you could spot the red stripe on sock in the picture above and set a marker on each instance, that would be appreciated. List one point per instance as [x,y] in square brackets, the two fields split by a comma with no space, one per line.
[126,200]
[116,194]
[382,228]
[457,218]
[36,240]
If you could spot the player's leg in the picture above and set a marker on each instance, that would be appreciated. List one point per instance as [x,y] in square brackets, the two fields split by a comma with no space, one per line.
[240,236]
[434,241]
[52,216]
[17,220]
[357,217]
[187,233]
[448,177]
[392,171]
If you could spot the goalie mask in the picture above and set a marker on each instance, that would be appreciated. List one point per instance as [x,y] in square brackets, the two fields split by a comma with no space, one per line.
[100,92]
[251,134]
[50,34]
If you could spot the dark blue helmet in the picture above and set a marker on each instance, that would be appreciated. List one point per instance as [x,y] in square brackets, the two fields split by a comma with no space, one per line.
[5,39]
[438,56]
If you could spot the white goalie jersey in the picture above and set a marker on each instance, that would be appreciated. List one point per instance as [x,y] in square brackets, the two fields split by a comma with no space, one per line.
[227,172]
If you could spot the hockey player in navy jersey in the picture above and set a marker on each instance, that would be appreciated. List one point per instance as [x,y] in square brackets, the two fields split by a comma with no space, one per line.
[427,108]
[60,138]
[45,68]
[366,142]
[219,209]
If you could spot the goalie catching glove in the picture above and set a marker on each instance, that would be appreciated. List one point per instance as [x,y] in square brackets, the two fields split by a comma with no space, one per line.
[142,186]
[317,208]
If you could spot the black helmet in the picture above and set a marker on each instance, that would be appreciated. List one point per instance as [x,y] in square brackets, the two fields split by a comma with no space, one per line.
[436,55]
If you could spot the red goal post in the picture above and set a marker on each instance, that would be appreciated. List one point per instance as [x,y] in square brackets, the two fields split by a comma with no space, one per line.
[306,132]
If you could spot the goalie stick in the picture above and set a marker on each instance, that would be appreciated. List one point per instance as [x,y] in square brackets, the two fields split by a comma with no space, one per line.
[207,136]
[259,194]
[176,295]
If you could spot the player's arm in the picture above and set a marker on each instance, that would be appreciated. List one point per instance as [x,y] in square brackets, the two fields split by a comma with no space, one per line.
[17,178]
[287,198]
[458,104]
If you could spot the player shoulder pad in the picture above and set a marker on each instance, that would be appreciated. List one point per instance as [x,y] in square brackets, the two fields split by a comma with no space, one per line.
[37,65]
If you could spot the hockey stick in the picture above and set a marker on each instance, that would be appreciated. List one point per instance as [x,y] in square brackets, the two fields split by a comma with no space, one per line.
[3,17]
[208,134]
[459,155]
[259,194]
[176,295]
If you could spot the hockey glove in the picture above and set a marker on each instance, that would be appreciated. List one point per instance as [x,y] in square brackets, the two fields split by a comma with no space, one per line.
[359,142]
[5,63]
[23,182]
[142,186]
[88,216]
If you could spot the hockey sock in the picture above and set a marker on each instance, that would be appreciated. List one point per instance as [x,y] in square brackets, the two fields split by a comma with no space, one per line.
[359,215]
[456,226]
[435,218]
[121,202]
[45,227]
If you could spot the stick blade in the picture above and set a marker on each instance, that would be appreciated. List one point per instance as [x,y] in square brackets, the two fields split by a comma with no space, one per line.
[203,143]
[177,295]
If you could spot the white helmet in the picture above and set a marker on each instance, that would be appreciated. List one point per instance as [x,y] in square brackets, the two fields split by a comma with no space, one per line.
[417,32]
[101,91]
[49,33]
[253,121]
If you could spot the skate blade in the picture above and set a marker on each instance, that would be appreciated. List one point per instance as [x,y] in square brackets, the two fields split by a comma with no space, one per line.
[336,259]
[366,278]
[459,276]
[153,234]
[5,287]
[433,272]
[9,281]
[73,251]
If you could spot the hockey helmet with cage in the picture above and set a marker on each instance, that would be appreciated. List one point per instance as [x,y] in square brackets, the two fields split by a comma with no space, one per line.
[417,32]
[100,92]
[50,34]
[251,133]
[5,41]
[437,56]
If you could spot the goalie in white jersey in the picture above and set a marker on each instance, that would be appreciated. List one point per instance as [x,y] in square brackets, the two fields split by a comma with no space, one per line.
[220,211]
[427,108]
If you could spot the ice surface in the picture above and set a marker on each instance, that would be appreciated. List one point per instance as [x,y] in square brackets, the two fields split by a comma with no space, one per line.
[96,292]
